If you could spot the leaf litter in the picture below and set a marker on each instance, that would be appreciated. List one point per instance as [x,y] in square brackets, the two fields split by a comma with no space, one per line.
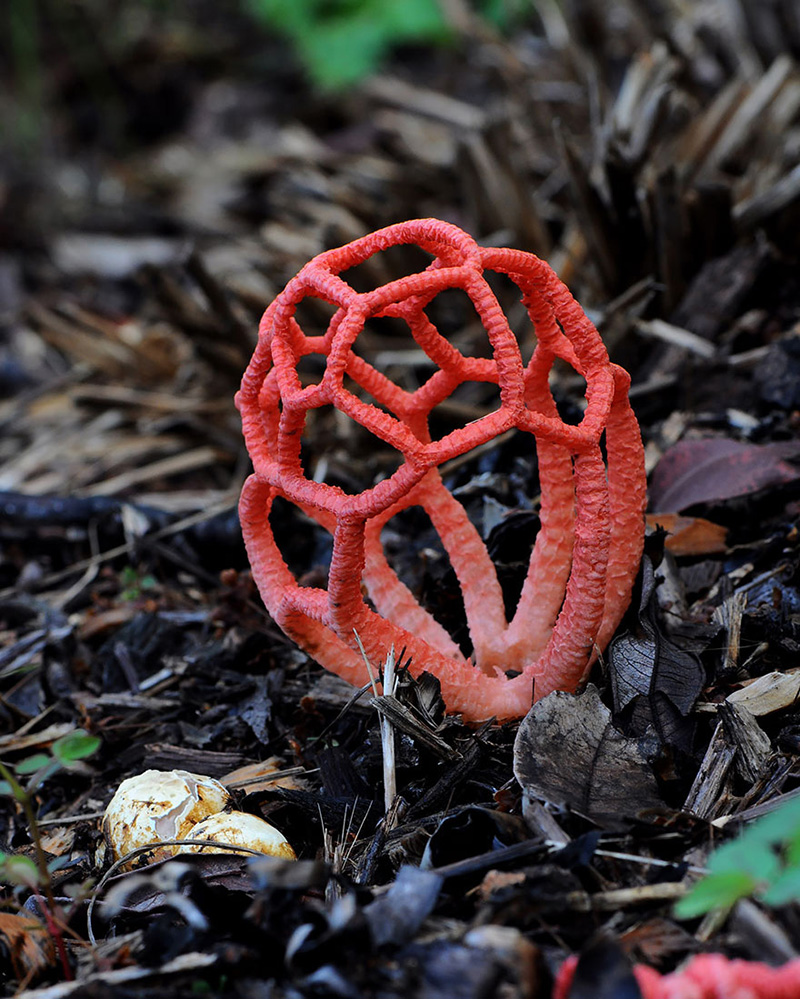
[667,198]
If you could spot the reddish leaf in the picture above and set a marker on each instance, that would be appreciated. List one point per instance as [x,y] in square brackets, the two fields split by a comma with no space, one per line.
[689,535]
[27,946]
[715,469]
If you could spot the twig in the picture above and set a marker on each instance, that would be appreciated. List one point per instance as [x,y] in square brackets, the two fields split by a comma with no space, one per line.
[387,729]
[387,737]
[402,716]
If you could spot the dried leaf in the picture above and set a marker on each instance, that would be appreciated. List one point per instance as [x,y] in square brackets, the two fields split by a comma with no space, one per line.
[27,945]
[689,535]
[716,469]
[256,710]
[649,666]
[468,832]
[568,752]
[778,373]
[152,889]
[656,939]
[253,777]
[396,916]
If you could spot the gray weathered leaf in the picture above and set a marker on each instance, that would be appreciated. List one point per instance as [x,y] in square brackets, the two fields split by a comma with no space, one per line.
[650,667]
[568,752]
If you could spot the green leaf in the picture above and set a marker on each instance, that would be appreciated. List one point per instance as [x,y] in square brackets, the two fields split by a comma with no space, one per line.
[775,827]
[716,891]
[757,859]
[6,789]
[405,20]
[291,17]
[505,13]
[784,889]
[791,850]
[75,746]
[342,41]
[343,51]
[763,861]
[32,764]
[21,871]
[42,774]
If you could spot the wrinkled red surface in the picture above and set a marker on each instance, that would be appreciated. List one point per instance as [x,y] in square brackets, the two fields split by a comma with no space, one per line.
[707,976]
[588,548]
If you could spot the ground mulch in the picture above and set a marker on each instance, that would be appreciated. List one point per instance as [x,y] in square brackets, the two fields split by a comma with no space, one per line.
[651,153]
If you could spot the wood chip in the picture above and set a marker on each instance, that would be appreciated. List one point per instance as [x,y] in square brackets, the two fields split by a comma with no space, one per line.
[676,336]
[712,778]
[752,744]
[745,119]
[425,102]
[179,464]
[771,692]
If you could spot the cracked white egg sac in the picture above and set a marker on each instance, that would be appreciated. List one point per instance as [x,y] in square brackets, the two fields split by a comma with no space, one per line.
[241,829]
[159,805]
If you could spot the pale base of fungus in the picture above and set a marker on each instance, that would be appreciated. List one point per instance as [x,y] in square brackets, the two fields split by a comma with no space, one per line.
[592,477]
[240,829]
[159,805]
[156,806]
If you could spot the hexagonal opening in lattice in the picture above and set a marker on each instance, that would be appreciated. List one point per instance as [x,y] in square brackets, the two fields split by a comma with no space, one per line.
[386,265]
[339,451]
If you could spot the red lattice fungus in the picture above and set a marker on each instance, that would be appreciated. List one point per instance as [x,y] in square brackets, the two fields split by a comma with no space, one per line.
[705,976]
[588,547]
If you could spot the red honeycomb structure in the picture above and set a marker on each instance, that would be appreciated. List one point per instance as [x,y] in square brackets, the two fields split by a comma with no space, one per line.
[592,477]
[705,976]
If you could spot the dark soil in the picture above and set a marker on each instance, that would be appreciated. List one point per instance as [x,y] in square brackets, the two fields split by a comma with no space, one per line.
[157,193]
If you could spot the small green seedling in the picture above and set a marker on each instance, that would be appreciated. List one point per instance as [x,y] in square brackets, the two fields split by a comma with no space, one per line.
[135,584]
[35,873]
[762,863]
[19,782]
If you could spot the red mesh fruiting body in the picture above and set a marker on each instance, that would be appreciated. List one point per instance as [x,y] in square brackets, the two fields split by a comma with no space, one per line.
[707,976]
[589,544]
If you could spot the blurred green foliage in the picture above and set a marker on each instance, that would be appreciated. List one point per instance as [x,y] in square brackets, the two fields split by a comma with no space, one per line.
[762,863]
[22,43]
[341,41]
[100,62]
[20,782]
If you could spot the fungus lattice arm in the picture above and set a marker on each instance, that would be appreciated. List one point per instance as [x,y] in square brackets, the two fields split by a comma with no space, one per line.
[586,554]
[707,976]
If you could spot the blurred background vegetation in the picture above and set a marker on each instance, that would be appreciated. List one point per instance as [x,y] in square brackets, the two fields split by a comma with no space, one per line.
[115,65]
